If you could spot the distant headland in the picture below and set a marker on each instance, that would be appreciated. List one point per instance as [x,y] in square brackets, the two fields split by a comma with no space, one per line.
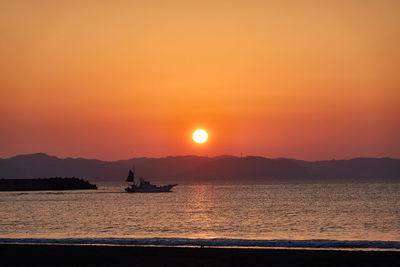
[179,168]
[47,184]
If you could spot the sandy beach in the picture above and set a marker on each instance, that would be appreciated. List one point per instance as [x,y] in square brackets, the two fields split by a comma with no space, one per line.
[85,255]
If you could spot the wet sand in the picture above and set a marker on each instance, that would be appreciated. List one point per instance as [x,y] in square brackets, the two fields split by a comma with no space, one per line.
[78,255]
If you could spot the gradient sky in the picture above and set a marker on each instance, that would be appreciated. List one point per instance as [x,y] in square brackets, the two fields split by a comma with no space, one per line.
[120,79]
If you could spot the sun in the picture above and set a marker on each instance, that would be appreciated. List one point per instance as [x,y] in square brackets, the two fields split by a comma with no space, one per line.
[200,136]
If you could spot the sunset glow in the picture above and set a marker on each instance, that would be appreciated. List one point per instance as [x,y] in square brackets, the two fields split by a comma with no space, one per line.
[115,80]
[216,133]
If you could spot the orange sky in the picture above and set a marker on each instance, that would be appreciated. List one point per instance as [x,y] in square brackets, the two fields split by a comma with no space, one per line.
[121,79]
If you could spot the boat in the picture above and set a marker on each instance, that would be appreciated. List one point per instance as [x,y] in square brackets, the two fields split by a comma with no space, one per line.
[144,186]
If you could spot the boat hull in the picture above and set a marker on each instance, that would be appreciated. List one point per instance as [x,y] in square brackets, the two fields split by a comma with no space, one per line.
[158,189]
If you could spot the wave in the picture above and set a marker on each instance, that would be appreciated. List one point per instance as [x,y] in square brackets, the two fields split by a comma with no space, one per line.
[216,242]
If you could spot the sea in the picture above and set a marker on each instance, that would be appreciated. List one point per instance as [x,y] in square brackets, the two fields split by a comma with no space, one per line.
[359,216]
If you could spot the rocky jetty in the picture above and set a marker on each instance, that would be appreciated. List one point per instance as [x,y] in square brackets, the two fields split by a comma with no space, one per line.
[56,183]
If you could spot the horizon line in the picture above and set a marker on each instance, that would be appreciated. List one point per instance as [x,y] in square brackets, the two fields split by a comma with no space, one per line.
[192,155]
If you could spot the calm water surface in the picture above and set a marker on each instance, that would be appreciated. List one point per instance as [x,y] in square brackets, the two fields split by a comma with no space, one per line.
[232,211]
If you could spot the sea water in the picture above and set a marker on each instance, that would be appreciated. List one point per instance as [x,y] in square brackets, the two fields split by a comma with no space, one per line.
[356,215]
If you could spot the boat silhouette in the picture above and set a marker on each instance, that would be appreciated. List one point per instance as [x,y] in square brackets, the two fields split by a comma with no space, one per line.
[144,186]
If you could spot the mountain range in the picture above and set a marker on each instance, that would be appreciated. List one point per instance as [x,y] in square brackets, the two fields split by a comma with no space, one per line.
[191,168]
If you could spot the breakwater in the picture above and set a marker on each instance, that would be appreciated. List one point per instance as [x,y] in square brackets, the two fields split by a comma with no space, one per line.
[56,183]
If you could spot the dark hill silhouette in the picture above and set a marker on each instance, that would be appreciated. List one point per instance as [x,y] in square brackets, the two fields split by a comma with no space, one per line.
[250,168]
[368,168]
[202,168]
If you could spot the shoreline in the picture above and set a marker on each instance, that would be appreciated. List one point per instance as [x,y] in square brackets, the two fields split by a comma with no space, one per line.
[318,244]
[204,247]
[120,255]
